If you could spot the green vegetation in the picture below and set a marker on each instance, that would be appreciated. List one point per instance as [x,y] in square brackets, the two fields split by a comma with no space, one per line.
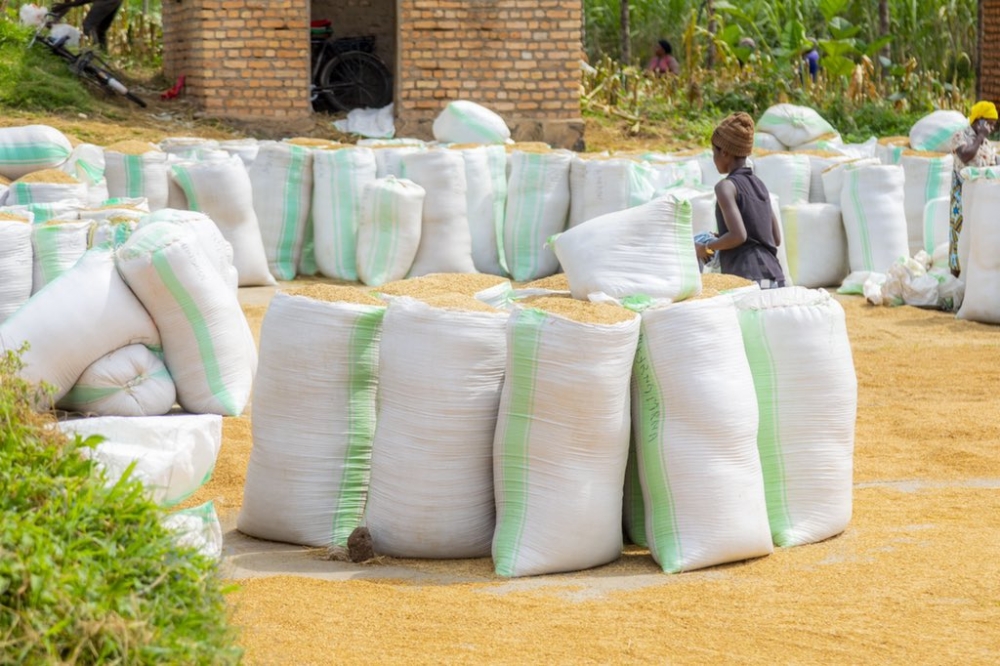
[88,574]
[33,79]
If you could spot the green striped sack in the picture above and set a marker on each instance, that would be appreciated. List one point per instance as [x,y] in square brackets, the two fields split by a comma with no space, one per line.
[31,148]
[389,230]
[313,421]
[340,177]
[927,177]
[15,265]
[57,246]
[281,177]
[871,202]
[130,381]
[134,176]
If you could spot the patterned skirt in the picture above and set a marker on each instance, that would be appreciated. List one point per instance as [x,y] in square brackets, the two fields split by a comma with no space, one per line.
[955,223]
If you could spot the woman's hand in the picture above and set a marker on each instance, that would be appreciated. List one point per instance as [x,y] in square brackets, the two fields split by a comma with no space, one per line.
[982,128]
[704,254]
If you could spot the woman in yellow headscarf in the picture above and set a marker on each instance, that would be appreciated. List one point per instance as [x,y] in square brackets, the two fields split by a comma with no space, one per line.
[972,148]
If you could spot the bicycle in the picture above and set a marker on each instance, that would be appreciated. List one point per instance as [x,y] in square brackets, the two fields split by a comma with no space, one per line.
[87,63]
[346,74]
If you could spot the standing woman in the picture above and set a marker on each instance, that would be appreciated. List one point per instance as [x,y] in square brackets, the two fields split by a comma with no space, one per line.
[749,233]
[971,149]
[663,61]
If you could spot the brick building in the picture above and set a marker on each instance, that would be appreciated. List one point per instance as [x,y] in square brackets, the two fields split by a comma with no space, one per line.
[249,59]
[988,79]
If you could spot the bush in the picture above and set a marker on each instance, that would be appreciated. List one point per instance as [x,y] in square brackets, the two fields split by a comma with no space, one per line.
[88,574]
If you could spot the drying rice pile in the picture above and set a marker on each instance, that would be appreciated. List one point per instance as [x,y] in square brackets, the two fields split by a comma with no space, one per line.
[713,284]
[584,312]
[48,176]
[132,148]
[313,143]
[436,284]
[334,294]
[458,302]
[13,217]
[557,282]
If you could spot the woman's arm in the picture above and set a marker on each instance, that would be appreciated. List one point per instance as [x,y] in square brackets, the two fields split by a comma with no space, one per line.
[967,151]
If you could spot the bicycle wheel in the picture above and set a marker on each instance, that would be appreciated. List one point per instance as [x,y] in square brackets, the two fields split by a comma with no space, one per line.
[356,80]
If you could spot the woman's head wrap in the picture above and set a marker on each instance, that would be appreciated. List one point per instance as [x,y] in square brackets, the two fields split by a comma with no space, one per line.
[734,135]
[982,109]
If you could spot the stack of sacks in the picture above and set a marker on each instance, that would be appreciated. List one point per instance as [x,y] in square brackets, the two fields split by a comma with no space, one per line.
[833,177]
[221,189]
[188,147]
[340,175]
[207,344]
[307,479]
[979,245]
[84,314]
[602,185]
[130,381]
[31,148]
[561,443]
[15,262]
[872,205]
[815,244]
[699,469]
[927,177]
[431,492]
[245,149]
[86,164]
[673,170]
[296,183]
[890,149]
[445,238]
[389,154]
[462,121]
[137,169]
[795,126]
[173,455]
[486,194]
[389,229]
[644,250]
[936,131]
[803,375]
[538,200]
[48,186]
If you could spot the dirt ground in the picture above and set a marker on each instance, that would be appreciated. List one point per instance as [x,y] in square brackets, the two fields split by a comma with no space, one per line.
[916,576]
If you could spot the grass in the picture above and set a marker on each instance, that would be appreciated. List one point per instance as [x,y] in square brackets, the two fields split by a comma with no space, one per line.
[88,575]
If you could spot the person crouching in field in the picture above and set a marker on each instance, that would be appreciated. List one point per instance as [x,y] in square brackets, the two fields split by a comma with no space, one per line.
[971,148]
[749,233]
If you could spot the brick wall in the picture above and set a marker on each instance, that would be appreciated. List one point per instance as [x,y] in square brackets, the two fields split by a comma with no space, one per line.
[241,59]
[520,58]
[989,51]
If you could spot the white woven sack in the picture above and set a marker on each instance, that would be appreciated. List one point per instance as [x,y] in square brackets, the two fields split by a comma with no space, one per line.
[462,121]
[927,176]
[937,219]
[113,231]
[79,317]
[15,265]
[833,177]
[936,131]
[142,175]
[670,170]
[445,239]
[245,149]
[389,157]
[981,263]
[207,344]
[766,141]
[831,141]
[702,484]
[176,198]
[561,443]
[222,191]
[577,183]
[538,197]
[281,178]
[131,381]
[389,231]
[613,185]
[42,213]
[782,247]
[174,455]
[787,175]
[188,147]
[86,164]
[431,491]
[340,177]
[874,216]
[807,394]
[815,244]
[643,250]
[890,149]
[26,193]
[820,161]
[31,148]
[486,193]
[56,247]
[210,239]
[793,125]
[313,421]
[710,175]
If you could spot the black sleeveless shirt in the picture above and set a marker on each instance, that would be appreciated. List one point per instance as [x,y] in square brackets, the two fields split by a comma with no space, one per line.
[757,258]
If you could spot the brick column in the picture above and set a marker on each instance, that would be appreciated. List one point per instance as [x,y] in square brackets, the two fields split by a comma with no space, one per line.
[989,51]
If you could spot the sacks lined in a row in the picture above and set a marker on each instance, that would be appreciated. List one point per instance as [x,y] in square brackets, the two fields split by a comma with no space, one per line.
[159,289]
[979,245]
[558,455]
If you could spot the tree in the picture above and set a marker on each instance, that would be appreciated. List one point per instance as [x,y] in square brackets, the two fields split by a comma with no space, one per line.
[625,36]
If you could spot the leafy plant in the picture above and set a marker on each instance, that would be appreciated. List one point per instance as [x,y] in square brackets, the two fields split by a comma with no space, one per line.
[88,574]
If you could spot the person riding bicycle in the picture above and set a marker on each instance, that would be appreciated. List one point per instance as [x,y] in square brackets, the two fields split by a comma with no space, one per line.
[98,20]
